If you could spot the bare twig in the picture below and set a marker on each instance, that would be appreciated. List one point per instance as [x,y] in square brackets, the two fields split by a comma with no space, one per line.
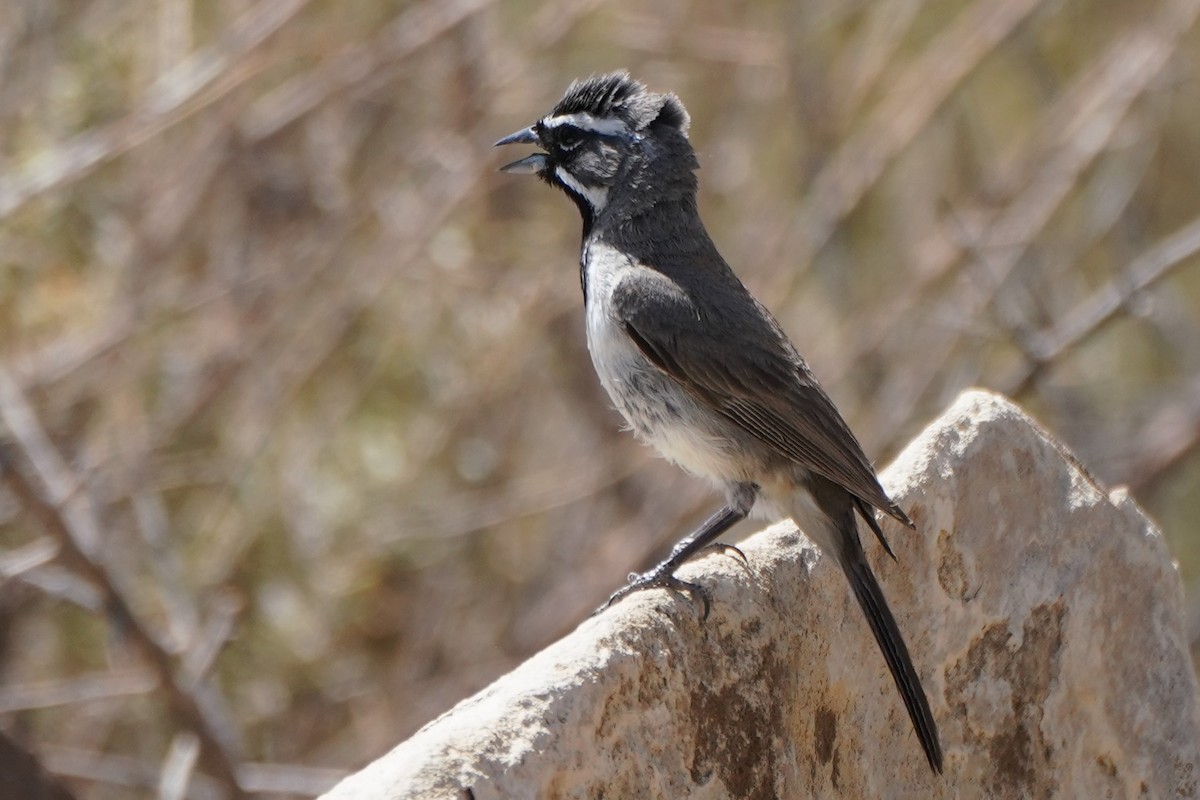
[122,771]
[45,694]
[290,778]
[867,59]
[1082,107]
[740,46]
[917,93]
[1169,438]
[1093,314]
[409,31]
[64,526]
[200,658]
[23,559]
[279,353]
[178,767]
[1132,66]
[268,779]
[172,99]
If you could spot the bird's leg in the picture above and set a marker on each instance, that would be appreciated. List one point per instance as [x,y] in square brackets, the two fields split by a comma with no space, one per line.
[664,574]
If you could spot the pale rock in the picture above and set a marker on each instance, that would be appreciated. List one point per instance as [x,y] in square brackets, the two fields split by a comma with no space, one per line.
[1043,612]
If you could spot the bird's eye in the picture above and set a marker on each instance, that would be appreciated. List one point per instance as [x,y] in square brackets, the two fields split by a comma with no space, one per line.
[569,138]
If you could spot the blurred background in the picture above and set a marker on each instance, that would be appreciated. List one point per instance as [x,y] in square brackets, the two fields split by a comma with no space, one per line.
[299,438]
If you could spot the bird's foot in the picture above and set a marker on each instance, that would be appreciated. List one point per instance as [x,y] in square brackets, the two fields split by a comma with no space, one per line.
[661,577]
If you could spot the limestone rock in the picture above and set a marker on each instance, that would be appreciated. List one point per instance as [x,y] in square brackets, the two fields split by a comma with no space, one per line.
[1043,612]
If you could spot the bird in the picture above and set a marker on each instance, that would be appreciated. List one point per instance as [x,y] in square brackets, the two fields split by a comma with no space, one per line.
[696,365]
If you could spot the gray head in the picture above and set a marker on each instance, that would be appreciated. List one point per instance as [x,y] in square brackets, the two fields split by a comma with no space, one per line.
[610,137]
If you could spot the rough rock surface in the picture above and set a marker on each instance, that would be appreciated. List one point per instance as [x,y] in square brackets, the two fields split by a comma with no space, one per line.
[1043,612]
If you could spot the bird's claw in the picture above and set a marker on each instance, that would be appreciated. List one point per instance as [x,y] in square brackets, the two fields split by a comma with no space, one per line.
[729,548]
[656,579]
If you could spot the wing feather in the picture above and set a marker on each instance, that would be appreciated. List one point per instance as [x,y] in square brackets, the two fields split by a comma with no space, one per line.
[742,366]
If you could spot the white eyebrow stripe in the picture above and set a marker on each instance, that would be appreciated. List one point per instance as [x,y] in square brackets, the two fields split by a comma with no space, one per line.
[597,196]
[586,122]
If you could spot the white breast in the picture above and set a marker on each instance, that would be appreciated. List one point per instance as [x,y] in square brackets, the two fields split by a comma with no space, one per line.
[657,410]
[612,353]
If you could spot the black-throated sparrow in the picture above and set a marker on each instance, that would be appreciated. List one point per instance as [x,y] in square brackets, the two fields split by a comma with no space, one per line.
[697,366]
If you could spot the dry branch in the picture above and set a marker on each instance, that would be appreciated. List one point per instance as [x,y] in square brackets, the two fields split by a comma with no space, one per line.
[71,528]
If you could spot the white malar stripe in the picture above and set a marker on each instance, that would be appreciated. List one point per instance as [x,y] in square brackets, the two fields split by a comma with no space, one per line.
[587,122]
[597,196]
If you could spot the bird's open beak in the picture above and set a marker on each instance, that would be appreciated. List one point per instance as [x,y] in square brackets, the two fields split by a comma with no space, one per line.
[523,136]
[530,165]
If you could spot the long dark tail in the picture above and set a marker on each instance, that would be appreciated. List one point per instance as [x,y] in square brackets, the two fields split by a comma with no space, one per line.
[887,634]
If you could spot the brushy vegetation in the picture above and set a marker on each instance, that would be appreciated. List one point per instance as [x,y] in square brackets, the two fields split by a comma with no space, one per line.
[299,436]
